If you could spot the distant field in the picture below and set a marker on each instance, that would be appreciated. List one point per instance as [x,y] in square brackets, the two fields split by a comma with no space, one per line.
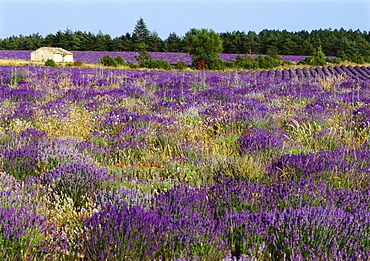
[94,56]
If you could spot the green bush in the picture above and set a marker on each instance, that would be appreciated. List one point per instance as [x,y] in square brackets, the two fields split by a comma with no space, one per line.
[231,64]
[215,64]
[246,62]
[181,65]
[367,59]
[341,54]
[132,65]
[267,62]
[120,60]
[78,63]
[155,64]
[106,60]
[333,60]
[314,61]
[357,59]
[317,59]
[50,62]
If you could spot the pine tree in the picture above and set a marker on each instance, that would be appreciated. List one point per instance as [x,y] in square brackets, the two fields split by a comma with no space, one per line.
[141,34]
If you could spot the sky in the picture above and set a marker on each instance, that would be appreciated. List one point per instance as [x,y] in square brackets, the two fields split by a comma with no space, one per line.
[117,17]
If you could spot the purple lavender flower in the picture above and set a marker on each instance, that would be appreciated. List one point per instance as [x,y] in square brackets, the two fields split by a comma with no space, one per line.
[77,180]
[258,140]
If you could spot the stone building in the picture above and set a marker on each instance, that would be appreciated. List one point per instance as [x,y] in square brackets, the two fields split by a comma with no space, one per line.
[57,54]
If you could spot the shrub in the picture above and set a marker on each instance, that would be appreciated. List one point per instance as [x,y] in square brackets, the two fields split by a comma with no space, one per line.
[333,60]
[107,60]
[341,54]
[216,64]
[132,65]
[142,54]
[155,64]
[246,62]
[267,62]
[314,61]
[181,65]
[231,64]
[50,62]
[120,60]
[77,181]
[22,228]
[357,59]
[78,63]
[318,58]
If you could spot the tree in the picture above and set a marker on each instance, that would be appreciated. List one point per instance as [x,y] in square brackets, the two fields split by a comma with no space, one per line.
[289,46]
[319,53]
[142,54]
[306,48]
[61,40]
[173,43]
[141,34]
[204,45]
[155,42]
[253,43]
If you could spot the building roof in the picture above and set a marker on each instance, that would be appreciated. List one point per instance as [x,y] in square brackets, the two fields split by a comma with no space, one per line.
[55,50]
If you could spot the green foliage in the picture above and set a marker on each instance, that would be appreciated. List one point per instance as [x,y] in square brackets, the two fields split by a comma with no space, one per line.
[267,62]
[181,65]
[357,59]
[318,53]
[133,65]
[270,42]
[333,60]
[107,60]
[341,54]
[141,33]
[318,58]
[78,63]
[142,54]
[155,64]
[120,60]
[367,59]
[314,61]
[273,52]
[231,64]
[50,62]
[246,62]
[260,62]
[204,45]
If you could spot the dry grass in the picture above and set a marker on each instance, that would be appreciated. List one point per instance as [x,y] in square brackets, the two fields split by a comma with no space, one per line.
[20,62]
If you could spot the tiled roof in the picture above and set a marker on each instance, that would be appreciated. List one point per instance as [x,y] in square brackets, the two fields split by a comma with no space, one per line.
[55,50]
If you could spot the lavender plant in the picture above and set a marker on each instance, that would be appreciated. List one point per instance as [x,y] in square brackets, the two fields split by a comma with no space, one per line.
[77,180]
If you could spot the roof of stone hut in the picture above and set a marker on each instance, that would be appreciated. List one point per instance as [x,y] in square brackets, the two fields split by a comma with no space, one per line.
[56,50]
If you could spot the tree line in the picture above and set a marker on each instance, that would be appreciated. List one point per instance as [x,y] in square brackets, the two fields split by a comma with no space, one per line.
[337,42]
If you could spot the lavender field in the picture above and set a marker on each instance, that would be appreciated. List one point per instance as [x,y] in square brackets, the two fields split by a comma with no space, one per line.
[94,56]
[109,164]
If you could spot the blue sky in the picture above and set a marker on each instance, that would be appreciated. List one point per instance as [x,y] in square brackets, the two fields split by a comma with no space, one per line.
[117,17]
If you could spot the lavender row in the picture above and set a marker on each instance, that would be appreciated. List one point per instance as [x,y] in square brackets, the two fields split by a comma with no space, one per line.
[228,220]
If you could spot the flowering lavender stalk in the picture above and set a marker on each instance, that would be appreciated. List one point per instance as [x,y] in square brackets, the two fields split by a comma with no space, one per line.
[23,229]
[259,140]
[77,180]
